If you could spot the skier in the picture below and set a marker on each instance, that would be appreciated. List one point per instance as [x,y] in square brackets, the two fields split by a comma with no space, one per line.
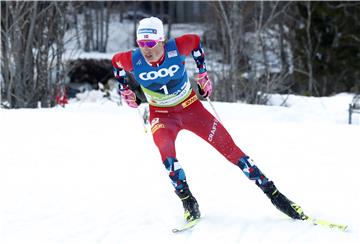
[158,65]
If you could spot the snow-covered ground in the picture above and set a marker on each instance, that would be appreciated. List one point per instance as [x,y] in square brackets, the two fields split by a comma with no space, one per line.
[88,173]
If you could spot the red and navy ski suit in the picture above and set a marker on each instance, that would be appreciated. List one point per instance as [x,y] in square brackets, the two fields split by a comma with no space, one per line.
[174,105]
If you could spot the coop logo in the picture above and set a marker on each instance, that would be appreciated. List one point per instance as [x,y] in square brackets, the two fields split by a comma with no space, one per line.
[153,75]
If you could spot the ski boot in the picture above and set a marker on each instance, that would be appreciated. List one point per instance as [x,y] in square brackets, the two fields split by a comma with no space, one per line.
[191,207]
[282,203]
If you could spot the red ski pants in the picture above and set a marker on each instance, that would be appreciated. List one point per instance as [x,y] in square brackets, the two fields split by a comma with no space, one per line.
[190,115]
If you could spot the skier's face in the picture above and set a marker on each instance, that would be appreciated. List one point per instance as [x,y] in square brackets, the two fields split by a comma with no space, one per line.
[151,54]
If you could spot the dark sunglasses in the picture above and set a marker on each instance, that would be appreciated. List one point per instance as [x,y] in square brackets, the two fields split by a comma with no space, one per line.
[147,43]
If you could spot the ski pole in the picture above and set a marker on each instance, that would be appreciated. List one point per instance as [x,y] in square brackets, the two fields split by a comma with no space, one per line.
[142,120]
[213,108]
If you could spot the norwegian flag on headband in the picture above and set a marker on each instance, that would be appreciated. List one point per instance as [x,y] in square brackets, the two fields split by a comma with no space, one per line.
[150,28]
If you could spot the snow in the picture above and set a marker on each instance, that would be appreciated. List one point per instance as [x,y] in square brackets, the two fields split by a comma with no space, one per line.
[88,173]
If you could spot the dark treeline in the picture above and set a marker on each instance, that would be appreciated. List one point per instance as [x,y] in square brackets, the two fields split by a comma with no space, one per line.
[32,44]
[307,48]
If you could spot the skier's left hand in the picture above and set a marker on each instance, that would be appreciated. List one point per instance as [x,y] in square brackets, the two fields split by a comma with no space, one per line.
[204,84]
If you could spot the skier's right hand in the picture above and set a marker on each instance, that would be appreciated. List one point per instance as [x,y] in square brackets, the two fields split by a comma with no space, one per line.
[130,98]
[204,84]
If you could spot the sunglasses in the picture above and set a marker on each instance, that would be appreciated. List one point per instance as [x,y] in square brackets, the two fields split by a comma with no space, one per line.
[147,43]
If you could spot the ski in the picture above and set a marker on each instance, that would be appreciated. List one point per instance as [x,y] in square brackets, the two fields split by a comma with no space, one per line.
[316,221]
[325,223]
[186,226]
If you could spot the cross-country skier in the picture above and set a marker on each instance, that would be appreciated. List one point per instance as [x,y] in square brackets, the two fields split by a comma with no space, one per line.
[158,65]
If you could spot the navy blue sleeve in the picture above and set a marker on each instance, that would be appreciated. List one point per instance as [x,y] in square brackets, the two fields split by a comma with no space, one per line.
[120,76]
[199,57]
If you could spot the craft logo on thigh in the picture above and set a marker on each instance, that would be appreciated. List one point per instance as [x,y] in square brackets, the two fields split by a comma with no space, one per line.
[213,130]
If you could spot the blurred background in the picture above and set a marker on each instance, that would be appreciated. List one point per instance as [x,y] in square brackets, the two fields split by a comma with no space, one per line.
[51,49]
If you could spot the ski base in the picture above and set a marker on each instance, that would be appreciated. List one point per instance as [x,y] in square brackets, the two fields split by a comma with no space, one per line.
[187,226]
[325,223]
